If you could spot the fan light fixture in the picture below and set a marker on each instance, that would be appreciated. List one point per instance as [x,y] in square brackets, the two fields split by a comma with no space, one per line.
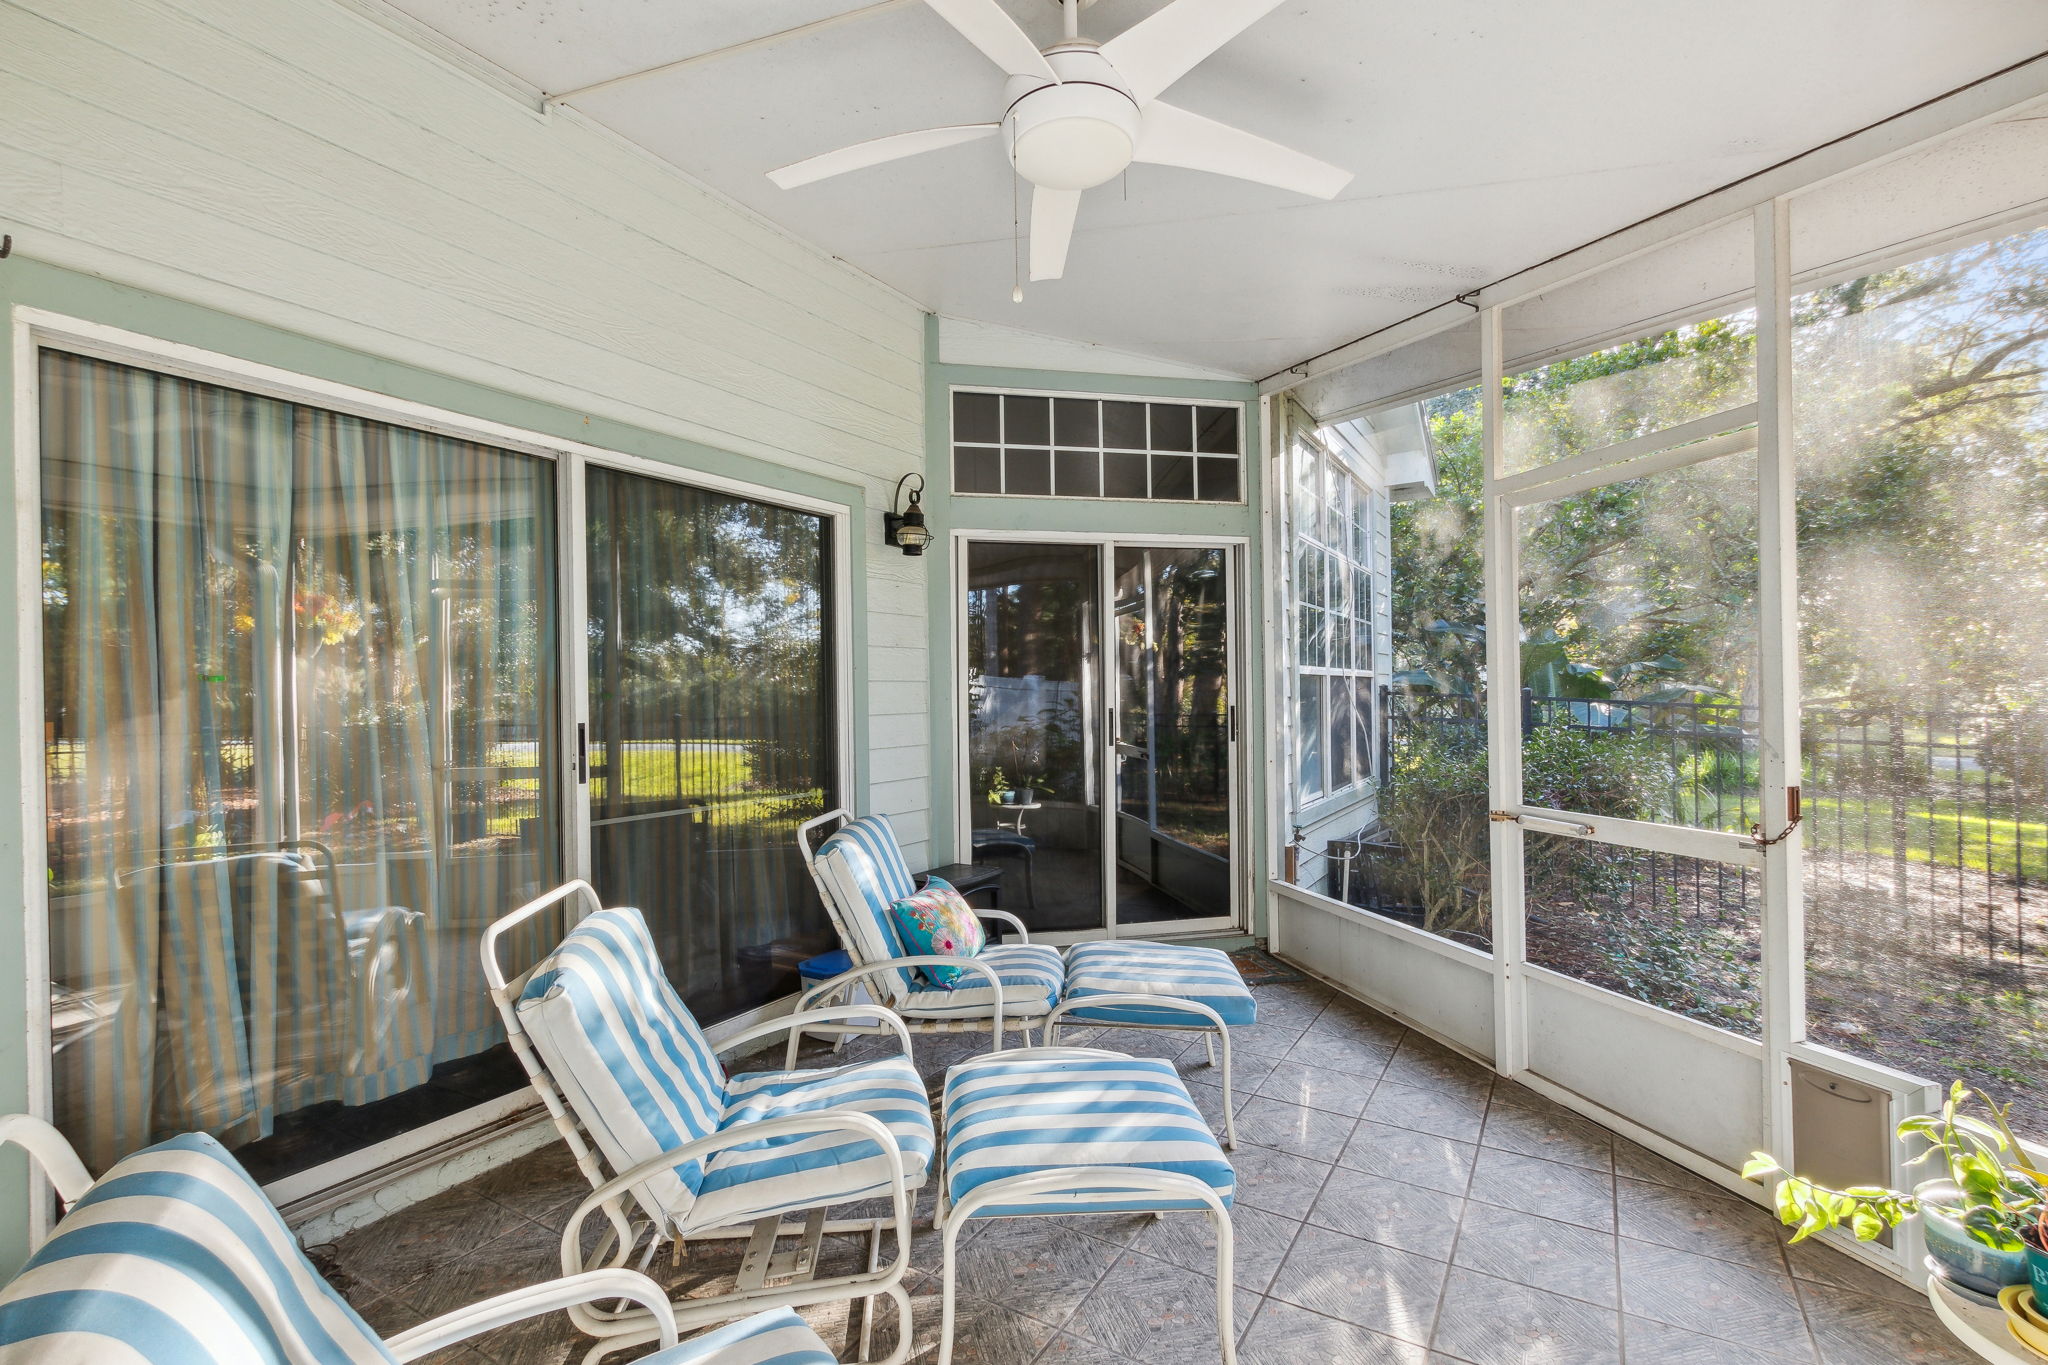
[1077,113]
[905,529]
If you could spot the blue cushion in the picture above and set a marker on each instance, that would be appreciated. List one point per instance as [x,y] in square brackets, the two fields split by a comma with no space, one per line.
[1034,1109]
[862,872]
[174,1257]
[777,1337]
[1176,971]
[625,1052]
[805,1170]
[1031,975]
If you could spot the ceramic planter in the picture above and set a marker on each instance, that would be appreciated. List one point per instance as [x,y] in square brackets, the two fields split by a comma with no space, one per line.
[1965,1259]
[2037,1272]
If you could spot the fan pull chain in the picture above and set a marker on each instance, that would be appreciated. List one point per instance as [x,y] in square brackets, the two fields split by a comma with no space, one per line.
[1016,247]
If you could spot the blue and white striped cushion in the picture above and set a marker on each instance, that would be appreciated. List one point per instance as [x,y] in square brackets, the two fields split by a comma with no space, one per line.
[1204,975]
[1031,973]
[863,866]
[174,1257]
[1035,1109]
[625,1052]
[777,1337]
[801,1172]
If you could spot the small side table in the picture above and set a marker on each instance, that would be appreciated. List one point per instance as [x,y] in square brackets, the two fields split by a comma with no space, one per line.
[970,879]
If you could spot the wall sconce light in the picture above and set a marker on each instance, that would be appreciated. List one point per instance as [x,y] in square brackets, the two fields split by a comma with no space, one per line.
[905,528]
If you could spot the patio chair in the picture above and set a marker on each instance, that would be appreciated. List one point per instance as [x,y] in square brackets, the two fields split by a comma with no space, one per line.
[861,872]
[678,1150]
[175,1255]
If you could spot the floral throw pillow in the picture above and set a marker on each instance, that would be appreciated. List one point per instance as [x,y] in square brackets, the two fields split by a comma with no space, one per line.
[938,922]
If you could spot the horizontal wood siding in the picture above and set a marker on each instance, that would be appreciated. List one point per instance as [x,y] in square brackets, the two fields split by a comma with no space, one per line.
[297,163]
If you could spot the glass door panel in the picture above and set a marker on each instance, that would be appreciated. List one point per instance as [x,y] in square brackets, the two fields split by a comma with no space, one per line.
[711,729]
[1034,733]
[1173,741]
[300,748]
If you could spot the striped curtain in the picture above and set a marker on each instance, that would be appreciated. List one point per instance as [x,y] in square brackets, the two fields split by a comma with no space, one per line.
[299,671]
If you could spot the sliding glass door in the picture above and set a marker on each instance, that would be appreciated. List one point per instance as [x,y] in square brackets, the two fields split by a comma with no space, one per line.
[306,736]
[1053,721]
[710,732]
[1034,727]
[1174,718]
[301,745]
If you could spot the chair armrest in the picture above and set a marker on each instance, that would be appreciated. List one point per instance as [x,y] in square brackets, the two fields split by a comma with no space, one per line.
[797,1125]
[533,1300]
[821,1016]
[1023,934]
[867,969]
[52,1154]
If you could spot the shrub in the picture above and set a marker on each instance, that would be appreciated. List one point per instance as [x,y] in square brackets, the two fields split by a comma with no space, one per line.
[1435,808]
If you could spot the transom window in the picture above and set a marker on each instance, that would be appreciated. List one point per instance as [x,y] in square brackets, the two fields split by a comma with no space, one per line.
[1045,445]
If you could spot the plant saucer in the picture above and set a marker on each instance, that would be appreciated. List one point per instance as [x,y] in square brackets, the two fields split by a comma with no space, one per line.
[1962,1289]
[2023,1329]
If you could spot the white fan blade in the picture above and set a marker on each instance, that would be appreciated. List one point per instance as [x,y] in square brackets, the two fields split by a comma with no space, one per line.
[1174,137]
[1052,228]
[1155,52]
[878,150]
[983,23]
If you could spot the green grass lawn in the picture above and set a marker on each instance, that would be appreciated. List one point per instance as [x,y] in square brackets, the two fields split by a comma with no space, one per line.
[1939,833]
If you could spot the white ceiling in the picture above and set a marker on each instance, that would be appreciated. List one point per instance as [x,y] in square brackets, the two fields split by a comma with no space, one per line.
[1486,135]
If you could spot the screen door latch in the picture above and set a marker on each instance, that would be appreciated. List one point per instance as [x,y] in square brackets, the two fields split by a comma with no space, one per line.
[1541,825]
[1793,815]
[582,753]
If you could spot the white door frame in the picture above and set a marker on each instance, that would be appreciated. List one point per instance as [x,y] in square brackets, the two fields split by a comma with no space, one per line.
[1236,555]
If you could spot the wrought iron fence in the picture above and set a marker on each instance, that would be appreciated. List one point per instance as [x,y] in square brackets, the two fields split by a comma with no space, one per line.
[1922,821]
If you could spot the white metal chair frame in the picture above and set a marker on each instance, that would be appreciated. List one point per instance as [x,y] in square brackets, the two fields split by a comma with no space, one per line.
[68,1177]
[622,1326]
[1075,1180]
[1210,1024]
[871,974]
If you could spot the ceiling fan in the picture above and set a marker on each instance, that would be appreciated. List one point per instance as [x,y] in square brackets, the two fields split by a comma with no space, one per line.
[1079,112]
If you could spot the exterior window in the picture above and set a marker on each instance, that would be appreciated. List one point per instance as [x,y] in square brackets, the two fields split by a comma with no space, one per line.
[1044,445]
[1334,670]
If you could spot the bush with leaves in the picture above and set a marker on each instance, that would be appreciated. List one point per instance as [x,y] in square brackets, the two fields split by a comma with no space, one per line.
[1435,808]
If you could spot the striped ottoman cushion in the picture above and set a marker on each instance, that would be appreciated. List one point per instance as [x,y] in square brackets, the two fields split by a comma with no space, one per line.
[1035,1109]
[806,1170]
[1206,976]
[777,1337]
[175,1257]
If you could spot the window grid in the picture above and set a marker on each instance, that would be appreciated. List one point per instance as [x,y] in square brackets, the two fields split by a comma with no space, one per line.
[1333,646]
[1076,446]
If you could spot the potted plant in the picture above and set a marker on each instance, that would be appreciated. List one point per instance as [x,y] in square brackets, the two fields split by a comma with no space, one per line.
[1977,1219]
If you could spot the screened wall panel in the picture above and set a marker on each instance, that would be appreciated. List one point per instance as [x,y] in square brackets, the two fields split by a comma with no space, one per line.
[1923,546]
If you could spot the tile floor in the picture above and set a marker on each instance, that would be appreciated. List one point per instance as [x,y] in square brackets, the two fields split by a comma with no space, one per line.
[1396,1203]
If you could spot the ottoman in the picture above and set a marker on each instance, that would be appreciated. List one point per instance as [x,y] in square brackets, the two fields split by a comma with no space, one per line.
[1046,1131]
[1166,986]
